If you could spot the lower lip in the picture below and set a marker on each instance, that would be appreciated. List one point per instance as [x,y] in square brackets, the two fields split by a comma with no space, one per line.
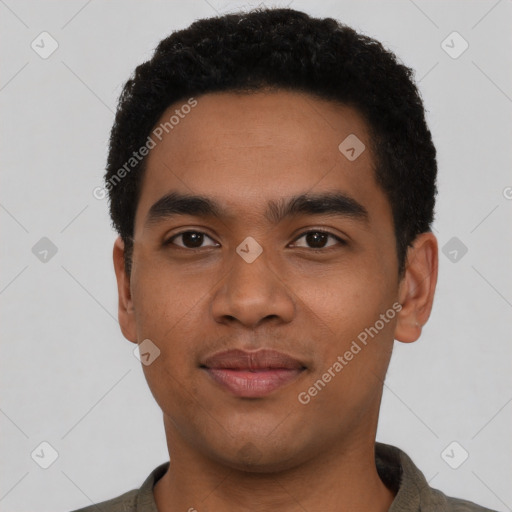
[255,384]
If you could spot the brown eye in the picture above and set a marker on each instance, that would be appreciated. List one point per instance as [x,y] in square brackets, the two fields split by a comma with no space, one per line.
[319,239]
[191,240]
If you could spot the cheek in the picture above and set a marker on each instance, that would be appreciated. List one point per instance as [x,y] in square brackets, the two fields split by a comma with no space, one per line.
[170,320]
[166,300]
[167,307]
[353,352]
[343,298]
[345,310]
[175,391]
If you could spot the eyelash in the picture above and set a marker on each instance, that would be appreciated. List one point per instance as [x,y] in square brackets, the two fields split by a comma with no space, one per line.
[337,238]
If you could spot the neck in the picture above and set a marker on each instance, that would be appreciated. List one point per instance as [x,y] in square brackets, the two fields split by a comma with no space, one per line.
[342,479]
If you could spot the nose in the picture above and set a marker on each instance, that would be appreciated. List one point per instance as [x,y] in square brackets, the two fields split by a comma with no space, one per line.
[253,293]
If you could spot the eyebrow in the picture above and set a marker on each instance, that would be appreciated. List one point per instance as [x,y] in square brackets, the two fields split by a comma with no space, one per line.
[331,203]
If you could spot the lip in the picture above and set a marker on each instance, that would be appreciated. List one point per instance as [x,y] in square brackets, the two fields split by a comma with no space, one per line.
[252,374]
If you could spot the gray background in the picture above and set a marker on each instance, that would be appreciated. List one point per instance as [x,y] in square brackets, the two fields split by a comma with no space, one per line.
[70,378]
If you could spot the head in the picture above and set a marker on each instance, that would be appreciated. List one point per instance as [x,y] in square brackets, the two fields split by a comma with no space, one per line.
[304,144]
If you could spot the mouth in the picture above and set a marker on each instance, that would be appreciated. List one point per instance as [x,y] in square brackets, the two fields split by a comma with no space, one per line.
[252,374]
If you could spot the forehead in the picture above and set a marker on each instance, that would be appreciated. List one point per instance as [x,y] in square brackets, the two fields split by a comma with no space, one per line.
[246,149]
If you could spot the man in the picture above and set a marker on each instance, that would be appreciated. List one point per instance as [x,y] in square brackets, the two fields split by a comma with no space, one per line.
[273,180]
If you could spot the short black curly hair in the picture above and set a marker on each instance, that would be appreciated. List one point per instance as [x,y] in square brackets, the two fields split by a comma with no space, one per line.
[282,49]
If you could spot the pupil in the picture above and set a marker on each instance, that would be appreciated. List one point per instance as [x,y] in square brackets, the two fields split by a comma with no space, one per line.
[313,239]
[192,239]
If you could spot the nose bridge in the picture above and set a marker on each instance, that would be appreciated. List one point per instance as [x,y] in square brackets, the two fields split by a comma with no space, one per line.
[252,290]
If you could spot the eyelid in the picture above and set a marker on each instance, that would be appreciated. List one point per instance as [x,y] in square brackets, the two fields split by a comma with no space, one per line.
[170,240]
[340,240]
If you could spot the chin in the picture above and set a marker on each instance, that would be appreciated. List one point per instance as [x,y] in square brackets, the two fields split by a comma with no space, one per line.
[260,459]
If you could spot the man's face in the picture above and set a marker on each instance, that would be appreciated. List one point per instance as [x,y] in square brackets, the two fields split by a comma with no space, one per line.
[307,296]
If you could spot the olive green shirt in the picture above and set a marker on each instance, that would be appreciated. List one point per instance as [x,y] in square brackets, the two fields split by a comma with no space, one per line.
[395,468]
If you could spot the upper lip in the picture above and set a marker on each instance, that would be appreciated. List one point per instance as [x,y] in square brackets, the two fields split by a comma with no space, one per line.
[259,360]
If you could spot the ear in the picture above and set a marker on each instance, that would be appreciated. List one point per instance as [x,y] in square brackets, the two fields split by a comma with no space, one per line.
[417,287]
[126,313]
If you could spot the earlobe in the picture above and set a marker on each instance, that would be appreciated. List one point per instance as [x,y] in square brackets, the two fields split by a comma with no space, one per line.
[126,313]
[417,288]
